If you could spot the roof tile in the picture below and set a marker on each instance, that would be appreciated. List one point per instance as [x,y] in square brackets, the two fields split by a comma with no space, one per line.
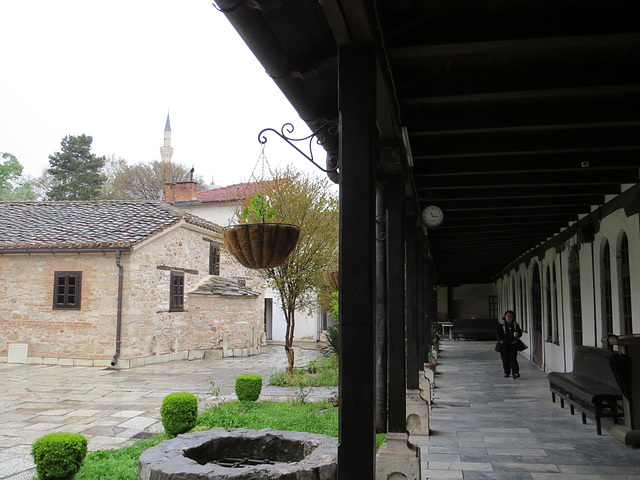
[87,224]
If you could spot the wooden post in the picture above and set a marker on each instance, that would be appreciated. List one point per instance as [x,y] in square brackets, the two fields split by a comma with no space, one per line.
[381,314]
[422,315]
[396,305]
[413,366]
[357,110]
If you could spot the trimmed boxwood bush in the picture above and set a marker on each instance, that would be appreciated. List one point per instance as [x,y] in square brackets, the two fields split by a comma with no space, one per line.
[179,412]
[58,456]
[248,387]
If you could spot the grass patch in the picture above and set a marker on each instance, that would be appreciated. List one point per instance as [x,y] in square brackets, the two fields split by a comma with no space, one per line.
[121,463]
[317,373]
[311,417]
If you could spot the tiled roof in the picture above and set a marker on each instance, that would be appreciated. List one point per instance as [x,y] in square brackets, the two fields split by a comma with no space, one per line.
[230,193]
[85,224]
[223,286]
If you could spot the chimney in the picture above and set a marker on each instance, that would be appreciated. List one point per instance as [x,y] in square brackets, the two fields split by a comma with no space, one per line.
[185,191]
[169,192]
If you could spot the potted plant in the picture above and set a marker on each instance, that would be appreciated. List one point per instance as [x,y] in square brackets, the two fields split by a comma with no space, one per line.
[261,245]
[432,360]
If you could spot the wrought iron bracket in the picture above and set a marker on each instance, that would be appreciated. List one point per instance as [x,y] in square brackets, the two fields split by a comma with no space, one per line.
[321,138]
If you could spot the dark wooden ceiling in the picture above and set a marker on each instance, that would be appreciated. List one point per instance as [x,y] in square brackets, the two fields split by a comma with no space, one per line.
[522,116]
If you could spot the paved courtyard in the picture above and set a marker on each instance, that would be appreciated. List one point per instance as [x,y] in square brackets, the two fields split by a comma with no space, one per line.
[110,407]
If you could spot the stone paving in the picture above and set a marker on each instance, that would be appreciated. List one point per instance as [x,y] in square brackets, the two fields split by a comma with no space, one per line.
[485,426]
[110,407]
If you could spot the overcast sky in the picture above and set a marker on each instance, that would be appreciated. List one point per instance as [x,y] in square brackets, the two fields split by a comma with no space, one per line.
[113,69]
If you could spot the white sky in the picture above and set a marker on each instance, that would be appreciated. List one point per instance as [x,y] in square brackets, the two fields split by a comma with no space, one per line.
[112,69]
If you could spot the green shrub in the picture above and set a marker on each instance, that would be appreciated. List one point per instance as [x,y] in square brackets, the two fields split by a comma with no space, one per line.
[179,412]
[332,337]
[248,387]
[58,456]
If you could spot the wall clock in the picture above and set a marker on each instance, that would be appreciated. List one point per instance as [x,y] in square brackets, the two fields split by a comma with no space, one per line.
[432,216]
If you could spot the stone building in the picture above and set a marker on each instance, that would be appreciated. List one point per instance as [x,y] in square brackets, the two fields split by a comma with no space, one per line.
[219,205]
[120,283]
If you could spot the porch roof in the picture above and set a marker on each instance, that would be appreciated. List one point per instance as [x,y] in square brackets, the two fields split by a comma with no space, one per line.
[521,118]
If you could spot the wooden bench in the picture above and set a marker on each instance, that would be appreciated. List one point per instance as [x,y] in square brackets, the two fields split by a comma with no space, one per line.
[591,386]
[474,328]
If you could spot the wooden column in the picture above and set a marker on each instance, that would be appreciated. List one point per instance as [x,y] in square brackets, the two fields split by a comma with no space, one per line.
[381,313]
[423,349]
[396,304]
[413,366]
[357,100]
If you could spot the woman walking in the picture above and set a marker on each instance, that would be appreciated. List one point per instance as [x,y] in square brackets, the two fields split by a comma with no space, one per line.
[508,334]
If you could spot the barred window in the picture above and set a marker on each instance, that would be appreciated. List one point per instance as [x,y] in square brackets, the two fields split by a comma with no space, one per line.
[607,298]
[576,302]
[214,259]
[625,283]
[67,290]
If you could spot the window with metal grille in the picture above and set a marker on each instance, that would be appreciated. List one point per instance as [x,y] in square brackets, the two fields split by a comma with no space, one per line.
[576,302]
[625,283]
[493,306]
[214,259]
[556,327]
[524,322]
[549,305]
[176,301]
[66,290]
[607,303]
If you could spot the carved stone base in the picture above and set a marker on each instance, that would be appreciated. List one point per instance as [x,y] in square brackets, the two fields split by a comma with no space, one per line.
[398,459]
[429,374]
[417,414]
[426,390]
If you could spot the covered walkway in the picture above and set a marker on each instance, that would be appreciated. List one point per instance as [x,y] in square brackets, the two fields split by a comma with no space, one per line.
[485,426]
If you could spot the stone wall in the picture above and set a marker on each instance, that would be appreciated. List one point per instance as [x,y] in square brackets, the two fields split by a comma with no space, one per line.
[58,336]
[150,333]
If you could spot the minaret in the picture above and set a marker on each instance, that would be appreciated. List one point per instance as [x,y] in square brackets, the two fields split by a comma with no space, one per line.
[166,152]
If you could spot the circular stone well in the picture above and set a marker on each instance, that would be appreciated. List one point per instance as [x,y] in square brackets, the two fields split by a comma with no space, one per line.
[237,454]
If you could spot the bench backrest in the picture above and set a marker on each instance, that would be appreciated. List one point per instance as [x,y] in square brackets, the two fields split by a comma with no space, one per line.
[595,363]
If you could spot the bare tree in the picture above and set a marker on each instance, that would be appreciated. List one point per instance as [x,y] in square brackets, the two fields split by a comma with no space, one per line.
[144,180]
[312,204]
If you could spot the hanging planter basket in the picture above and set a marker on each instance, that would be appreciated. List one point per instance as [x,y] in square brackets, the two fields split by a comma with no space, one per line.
[331,278]
[261,245]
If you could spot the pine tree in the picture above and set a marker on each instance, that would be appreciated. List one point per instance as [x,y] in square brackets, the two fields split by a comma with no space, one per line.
[77,173]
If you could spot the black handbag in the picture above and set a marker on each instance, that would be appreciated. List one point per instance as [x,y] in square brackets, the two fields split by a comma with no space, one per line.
[499,346]
[521,345]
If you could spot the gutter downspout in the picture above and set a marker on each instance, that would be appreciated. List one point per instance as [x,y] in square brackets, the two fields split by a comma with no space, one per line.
[119,307]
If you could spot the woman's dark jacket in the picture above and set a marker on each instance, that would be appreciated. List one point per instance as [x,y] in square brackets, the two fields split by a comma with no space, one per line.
[504,332]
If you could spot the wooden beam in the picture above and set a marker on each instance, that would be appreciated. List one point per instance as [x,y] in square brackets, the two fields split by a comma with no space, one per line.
[497,48]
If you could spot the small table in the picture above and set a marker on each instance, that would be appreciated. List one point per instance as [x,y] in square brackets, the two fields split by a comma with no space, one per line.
[446,330]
